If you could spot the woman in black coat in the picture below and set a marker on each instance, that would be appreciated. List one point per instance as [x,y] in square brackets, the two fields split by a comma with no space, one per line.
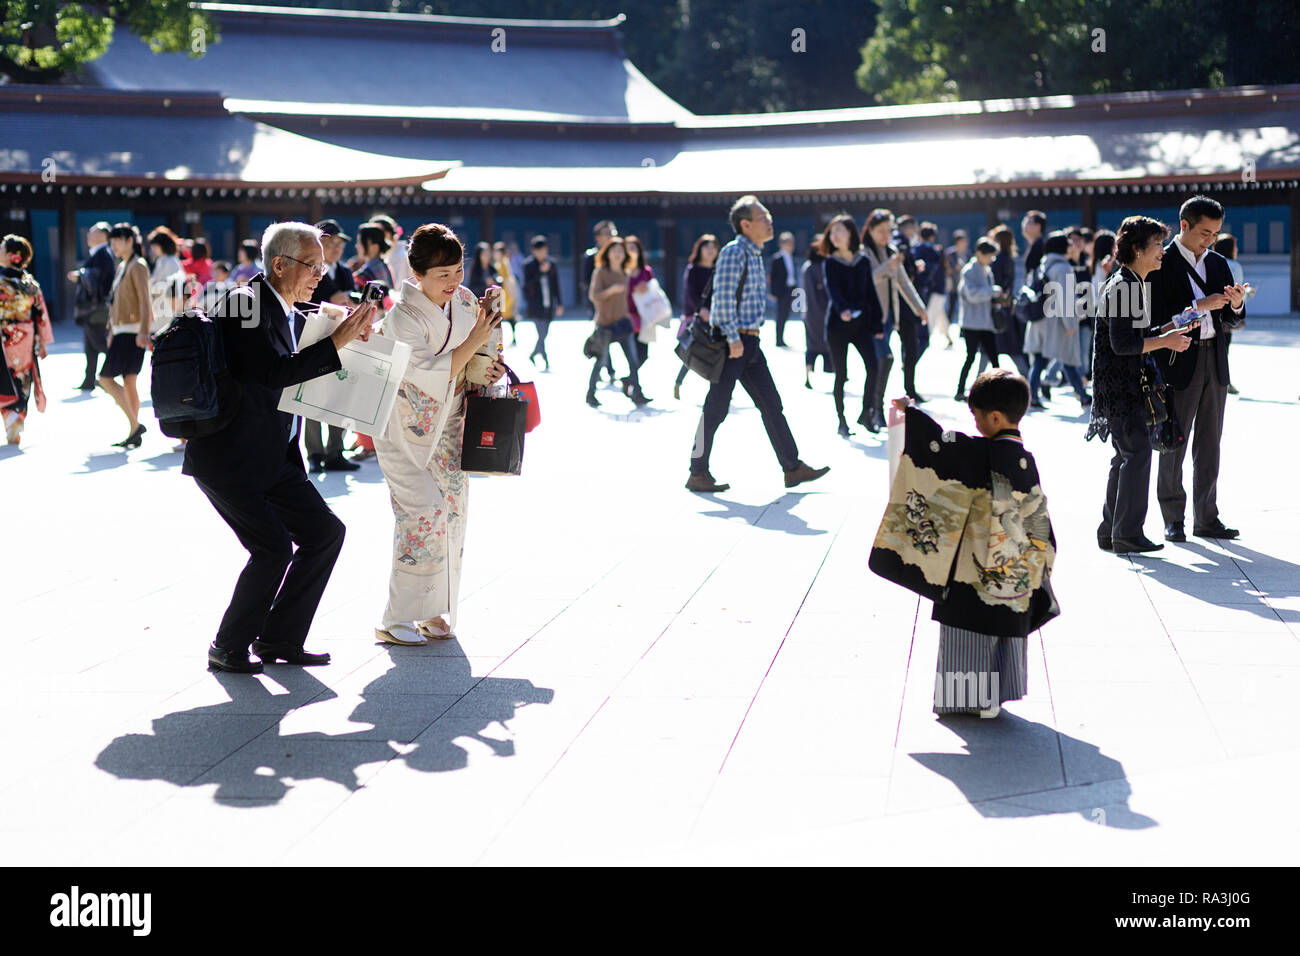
[1119,413]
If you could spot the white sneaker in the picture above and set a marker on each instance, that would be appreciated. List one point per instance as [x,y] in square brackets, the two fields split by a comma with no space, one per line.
[400,634]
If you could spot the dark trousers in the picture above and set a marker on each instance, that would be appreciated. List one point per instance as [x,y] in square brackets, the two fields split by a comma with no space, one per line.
[543,327]
[332,448]
[1199,409]
[783,303]
[94,339]
[1128,488]
[909,334]
[839,336]
[628,340]
[977,340]
[751,371]
[1040,366]
[285,527]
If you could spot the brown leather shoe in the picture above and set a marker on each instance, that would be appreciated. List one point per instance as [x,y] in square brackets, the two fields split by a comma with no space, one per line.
[801,473]
[704,483]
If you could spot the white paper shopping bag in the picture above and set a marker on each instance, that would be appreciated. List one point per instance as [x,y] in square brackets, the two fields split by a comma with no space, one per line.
[359,395]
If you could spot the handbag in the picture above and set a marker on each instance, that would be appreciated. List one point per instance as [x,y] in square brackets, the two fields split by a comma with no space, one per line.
[707,352]
[597,342]
[493,443]
[652,304]
[1168,435]
[525,392]
[1155,397]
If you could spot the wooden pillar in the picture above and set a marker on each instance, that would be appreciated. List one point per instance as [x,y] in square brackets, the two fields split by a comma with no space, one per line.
[990,215]
[1295,249]
[668,230]
[242,225]
[581,236]
[487,223]
[66,258]
[316,210]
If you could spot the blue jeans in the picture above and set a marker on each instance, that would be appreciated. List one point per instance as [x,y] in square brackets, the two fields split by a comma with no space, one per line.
[1036,373]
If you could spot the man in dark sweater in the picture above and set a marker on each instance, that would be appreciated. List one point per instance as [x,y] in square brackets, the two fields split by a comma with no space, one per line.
[94,283]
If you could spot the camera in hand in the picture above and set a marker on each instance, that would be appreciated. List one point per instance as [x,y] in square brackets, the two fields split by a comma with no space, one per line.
[374,292]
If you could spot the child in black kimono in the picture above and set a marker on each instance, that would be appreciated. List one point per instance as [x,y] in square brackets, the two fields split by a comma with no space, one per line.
[967,527]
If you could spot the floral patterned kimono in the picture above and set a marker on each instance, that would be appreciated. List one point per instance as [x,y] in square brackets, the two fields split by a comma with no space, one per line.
[967,527]
[419,453]
[24,327]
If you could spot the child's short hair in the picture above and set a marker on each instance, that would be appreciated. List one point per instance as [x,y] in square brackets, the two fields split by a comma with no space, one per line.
[986,246]
[1000,390]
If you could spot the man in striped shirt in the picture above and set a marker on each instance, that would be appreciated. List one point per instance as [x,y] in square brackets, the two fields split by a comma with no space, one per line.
[739,303]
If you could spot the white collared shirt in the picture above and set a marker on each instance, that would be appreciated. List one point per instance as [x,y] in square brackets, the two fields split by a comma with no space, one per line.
[1197,265]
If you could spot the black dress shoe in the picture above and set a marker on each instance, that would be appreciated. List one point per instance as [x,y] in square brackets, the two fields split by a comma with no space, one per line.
[339,463]
[844,429]
[236,662]
[315,463]
[1174,532]
[868,420]
[1216,530]
[271,653]
[1141,545]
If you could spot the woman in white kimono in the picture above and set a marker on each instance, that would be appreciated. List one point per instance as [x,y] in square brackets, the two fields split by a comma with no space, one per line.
[419,450]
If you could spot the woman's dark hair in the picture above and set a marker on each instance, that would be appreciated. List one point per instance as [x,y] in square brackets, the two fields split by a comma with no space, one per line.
[223,265]
[501,247]
[163,239]
[700,243]
[199,250]
[478,271]
[1198,208]
[1102,246]
[630,243]
[1226,245]
[125,230]
[432,246]
[876,218]
[1134,234]
[986,246]
[855,243]
[815,248]
[1000,390]
[16,245]
[1005,238]
[250,248]
[602,257]
[928,231]
[371,233]
[1058,242]
[538,242]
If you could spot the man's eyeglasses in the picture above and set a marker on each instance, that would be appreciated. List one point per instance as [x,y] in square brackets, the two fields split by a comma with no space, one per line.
[318,270]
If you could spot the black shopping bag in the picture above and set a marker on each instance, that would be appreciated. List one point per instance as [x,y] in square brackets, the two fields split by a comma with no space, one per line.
[494,436]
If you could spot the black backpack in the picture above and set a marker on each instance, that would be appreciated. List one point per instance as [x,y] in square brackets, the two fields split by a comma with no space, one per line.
[193,392]
[1030,299]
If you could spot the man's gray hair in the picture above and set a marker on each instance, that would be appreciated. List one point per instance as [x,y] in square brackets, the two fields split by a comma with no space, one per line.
[287,239]
[743,208]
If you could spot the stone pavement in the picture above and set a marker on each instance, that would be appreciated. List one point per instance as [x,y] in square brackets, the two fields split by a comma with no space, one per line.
[644,675]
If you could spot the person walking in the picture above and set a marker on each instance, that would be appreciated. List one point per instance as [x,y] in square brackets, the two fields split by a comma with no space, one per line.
[94,283]
[541,295]
[481,273]
[928,255]
[816,306]
[954,258]
[1055,337]
[1124,336]
[976,293]
[638,272]
[167,280]
[783,279]
[505,278]
[897,296]
[853,315]
[25,333]
[130,310]
[1226,246]
[419,451]
[738,306]
[697,290]
[1192,273]
[608,295]
[1009,332]
[252,471]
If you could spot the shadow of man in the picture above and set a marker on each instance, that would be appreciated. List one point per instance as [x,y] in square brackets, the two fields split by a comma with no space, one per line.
[415,711]
[1251,575]
[1000,750]
[775,516]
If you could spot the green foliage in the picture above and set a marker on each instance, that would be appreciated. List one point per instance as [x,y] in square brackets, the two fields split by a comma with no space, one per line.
[40,41]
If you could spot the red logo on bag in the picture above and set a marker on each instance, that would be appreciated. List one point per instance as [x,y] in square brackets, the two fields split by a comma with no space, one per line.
[488,440]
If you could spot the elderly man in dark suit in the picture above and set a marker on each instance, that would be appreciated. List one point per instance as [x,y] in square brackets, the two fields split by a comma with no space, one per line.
[1193,273]
[94,284]
[252,470]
